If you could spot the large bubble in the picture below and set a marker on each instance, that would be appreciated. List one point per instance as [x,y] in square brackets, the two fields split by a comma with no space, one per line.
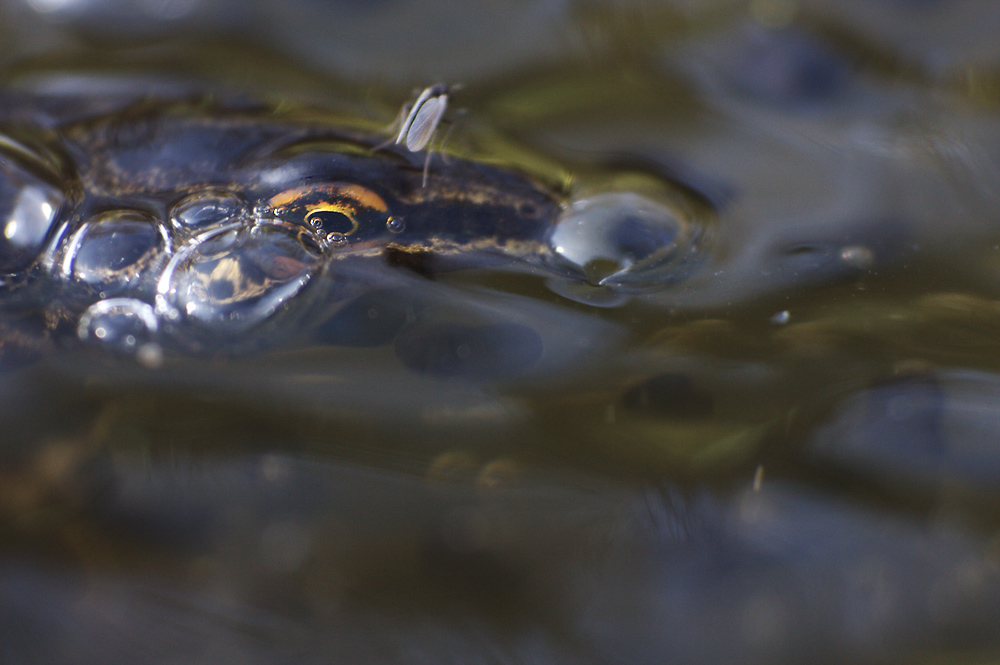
[115,250]
[624,242]
[230,279]
[28,210]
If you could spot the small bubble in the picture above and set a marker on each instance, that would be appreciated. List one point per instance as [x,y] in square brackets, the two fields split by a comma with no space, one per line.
[527,209]
[858,256]
[118,324]
[336,239]
[781,318]
[395,224]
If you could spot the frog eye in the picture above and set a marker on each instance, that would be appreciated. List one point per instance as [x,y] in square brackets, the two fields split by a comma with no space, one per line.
[327,218]
[344,209]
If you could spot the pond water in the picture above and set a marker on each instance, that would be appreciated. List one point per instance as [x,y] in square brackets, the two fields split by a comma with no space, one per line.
[688,350]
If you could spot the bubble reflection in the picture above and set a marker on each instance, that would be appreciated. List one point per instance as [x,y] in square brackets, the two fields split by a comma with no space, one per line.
[118,324]
[206,209]
[28,208]
[115,250]
[624,241]
[233,278]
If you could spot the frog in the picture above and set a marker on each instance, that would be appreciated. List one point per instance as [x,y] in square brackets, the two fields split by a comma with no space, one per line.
[202,220]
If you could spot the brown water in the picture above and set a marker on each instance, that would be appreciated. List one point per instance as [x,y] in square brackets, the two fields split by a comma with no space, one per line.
[761,424]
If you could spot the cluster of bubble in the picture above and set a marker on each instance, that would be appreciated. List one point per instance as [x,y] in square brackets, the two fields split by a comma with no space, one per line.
[215,264]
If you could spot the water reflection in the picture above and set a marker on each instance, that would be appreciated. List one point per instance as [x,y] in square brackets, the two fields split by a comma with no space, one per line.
[278,556]
[202,210]
[611,237]
[686,352]
[470,351]
[231,279]
[924,432]
[28,209]
[788,68]
[115,251]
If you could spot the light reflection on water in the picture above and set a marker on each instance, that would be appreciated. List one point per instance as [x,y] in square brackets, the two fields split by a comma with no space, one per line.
[745,410]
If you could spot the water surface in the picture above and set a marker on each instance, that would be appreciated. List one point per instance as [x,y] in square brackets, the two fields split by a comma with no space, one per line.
[743,405]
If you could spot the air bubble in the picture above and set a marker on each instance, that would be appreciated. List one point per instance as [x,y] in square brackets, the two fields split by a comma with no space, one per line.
[118,324]
[28,209]
[395,225]
[336,239]
[625,240]
[115,250]
[231,279]
[206,209]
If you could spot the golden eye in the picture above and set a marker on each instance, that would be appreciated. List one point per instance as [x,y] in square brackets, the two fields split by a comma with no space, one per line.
[332,208]
[332,219]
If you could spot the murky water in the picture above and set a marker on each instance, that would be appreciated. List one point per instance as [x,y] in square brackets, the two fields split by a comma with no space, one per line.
[685,353]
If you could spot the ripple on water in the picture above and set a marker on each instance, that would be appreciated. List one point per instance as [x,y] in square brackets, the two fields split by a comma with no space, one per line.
[231,279]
